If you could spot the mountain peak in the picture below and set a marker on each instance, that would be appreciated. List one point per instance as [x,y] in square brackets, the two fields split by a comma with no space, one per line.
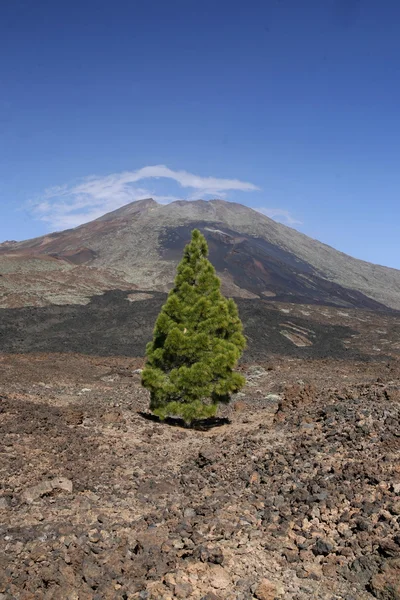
[137,206]
[140,243]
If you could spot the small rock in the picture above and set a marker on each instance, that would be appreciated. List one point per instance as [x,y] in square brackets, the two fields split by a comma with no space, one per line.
[183,590]
[273,397]
[110,379]
[363,524]
[322,547]
[291,555]
[254,478]
[46,487]
[329,570]
[206,456]
[62,483]
[239,406]
[272,403]
[94,536]
[91,572]
[170,580]
[310,571]
[112,416]
[386,585]
[395,508]
[219,578]
[388,547]
[255,372]
[4,503]
[37,491]
[211,555]
[74,417]
[266,590]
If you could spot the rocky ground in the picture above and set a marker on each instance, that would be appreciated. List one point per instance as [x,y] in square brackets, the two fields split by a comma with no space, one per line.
[295,330]
[294,493]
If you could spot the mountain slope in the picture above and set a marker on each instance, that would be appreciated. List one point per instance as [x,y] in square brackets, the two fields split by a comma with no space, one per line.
[138,246]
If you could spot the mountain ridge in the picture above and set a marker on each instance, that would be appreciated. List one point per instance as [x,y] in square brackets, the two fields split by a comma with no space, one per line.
[255,256]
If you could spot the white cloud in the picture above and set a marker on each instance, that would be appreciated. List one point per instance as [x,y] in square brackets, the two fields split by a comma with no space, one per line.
[279,214]
[69,206]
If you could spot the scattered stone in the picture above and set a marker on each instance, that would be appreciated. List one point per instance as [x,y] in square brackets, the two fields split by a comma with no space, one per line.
[395,508]
[266,590]
[4,502]
[210,555]
[389,547]
[396,488]
[307,502]
[219,578]
[386,585]
[46,487]
[112,416]
[239,406]
[183,590]
[310,571]
[273,397]
[322,547]
[207,456]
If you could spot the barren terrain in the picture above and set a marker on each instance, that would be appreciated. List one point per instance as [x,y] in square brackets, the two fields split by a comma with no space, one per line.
[293,493]
[119,323]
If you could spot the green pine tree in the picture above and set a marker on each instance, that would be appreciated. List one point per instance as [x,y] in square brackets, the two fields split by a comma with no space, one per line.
[197,341]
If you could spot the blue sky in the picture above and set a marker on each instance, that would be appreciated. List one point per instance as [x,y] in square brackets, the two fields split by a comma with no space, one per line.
[286,106]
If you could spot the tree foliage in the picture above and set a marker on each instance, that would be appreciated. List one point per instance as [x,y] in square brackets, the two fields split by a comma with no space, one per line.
[197,341]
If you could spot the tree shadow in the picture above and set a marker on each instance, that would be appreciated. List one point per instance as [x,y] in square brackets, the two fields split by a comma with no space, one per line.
[198,424]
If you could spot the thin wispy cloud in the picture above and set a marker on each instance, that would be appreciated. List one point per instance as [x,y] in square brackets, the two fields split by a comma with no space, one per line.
[72,205]
[279,214]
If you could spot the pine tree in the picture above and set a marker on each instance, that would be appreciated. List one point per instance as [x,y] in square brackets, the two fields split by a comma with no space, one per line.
[197,341]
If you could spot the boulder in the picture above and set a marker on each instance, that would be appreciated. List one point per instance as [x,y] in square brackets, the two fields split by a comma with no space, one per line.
[46,487]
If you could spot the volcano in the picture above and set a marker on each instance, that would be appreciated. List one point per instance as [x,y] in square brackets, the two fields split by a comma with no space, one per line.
[138,246]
